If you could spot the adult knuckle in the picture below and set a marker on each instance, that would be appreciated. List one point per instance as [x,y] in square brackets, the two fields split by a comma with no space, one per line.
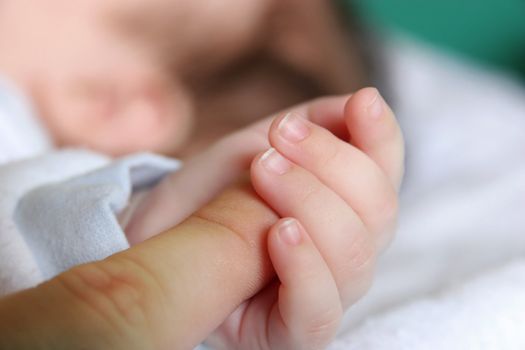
[112,293]
[222,225]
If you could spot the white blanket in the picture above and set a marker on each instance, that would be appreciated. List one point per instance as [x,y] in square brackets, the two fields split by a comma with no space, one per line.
[455,276]
[21,134]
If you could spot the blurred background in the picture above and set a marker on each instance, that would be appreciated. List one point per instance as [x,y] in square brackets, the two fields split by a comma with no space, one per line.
[491,32]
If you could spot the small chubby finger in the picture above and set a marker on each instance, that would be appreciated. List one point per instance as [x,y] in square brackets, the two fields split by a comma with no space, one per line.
[337,231]
[345,169]
[374,130]
[324,111]
[309,307]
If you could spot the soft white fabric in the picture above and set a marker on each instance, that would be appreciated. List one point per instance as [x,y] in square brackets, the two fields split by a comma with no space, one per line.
[73,222]
[18,267]
[57,208]
[21,133]
[485,313]
[462,212]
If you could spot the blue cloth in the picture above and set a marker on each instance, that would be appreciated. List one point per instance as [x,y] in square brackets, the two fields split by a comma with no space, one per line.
[74,222]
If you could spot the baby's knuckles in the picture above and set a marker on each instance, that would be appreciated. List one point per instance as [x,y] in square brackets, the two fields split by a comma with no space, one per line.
[355,272]
[323,329]
[387,216]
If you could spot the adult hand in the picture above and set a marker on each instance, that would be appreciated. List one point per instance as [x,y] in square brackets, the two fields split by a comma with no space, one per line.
[167,293]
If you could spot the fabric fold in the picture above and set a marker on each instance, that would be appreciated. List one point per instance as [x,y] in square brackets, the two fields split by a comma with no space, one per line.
[74,222]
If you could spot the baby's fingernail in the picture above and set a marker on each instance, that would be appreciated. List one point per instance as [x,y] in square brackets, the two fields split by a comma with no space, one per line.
[274,162]
[290,233]
[293,128]
[375,108]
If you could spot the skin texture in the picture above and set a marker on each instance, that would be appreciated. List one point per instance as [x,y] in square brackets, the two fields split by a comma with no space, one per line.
[97,87]
[343,200]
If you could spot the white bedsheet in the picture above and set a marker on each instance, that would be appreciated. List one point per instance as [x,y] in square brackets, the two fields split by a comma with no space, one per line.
[454,278]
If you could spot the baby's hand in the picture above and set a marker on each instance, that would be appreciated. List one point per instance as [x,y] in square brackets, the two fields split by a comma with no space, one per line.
[342,198]
[339,201]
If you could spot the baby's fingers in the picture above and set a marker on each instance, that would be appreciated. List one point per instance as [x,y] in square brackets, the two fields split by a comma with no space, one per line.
[343,168]
[374,130]
[337,231]
[309,309]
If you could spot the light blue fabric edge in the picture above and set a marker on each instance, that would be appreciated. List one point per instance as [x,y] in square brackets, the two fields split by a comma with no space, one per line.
[74,221]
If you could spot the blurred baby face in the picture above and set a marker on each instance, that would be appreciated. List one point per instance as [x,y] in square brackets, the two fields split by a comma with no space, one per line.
[121,76]
[98,82]
[91,86]
[125,110]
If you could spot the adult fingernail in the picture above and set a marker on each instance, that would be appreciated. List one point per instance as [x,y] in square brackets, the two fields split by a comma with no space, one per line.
[290,233]
[375,108]
[275,163]
[293,128]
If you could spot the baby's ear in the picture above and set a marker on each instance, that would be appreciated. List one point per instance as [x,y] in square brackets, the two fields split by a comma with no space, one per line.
[148,117]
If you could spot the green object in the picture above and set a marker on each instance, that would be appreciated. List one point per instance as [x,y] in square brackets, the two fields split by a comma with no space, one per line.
[491,31]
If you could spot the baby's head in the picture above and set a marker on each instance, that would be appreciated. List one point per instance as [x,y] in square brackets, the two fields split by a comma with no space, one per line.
[90,85]
[126,85]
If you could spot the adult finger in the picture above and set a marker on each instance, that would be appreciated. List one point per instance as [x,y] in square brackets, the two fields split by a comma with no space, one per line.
[169,292]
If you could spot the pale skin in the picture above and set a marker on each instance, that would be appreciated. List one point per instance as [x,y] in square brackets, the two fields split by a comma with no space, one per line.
[322,210]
